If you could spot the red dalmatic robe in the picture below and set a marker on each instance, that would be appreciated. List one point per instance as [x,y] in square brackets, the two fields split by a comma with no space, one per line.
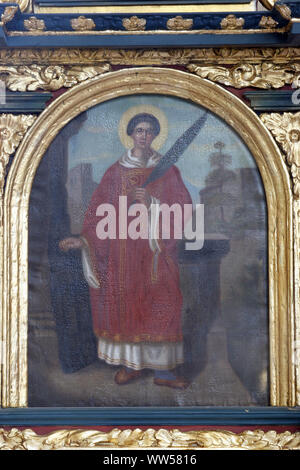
[139,300]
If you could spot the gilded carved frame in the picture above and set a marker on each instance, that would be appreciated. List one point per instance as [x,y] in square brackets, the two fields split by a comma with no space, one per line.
[283,230]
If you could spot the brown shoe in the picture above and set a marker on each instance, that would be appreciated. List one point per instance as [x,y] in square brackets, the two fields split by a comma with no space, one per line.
[179,383]
[123,377]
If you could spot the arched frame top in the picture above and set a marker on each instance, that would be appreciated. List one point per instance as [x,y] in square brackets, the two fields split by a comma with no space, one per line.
[277,187]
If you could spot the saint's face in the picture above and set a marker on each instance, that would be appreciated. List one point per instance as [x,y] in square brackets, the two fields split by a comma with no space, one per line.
[143,136]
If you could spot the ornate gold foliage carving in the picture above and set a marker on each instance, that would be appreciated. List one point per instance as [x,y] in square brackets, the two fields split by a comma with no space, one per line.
[34,24]
[12,131]
[286,130]
[285,11]
[265,75]
[51,78]
[179,23]
[223,55]
[134,23]
[267,22]
[8,14]
[15,439]
[232,22]
[82,24]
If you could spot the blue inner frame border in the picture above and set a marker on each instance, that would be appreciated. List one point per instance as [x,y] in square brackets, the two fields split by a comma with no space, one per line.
[141,416]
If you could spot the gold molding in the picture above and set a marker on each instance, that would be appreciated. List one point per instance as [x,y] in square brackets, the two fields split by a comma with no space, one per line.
[286,130]
[12,131]
[284,10]
[138,28]
[23,4]
[15,439]
[266,75]
[8,14]
[275,176]
[231,22]
[180,56]
[268,4]
[137,9]
[51,78]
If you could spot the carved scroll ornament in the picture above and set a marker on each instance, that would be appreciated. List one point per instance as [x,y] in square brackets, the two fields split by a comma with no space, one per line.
[12,131]
[286,130]
[265,75]
[50,78]
[15,439]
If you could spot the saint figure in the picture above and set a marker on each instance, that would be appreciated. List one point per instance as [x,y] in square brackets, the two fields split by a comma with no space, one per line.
[135,293]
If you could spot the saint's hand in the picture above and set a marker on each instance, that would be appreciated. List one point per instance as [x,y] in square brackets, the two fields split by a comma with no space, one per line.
[70,243]
[142,196]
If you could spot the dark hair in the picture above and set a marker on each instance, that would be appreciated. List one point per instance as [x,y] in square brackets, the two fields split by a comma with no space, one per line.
[143,117]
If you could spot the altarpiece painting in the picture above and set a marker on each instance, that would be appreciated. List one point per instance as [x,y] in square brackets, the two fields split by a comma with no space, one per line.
[149,224]
[203,313]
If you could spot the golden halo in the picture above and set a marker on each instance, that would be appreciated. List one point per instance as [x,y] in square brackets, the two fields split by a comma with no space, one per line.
[131,112]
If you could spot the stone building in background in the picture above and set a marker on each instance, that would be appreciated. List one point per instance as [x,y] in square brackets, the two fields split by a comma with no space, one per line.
[80,187]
